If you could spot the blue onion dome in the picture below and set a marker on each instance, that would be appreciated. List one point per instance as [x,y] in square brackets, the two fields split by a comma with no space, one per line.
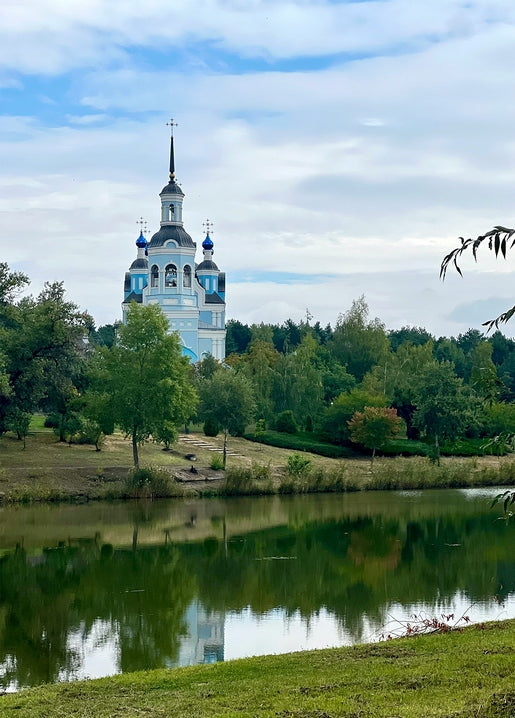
[208,242]
[141,242]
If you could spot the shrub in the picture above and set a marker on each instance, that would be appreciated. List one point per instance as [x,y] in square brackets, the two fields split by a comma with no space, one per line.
[150,482]
[301,442]
[211,427]
[242,481]
[285,423]
[298,465]
[217,461]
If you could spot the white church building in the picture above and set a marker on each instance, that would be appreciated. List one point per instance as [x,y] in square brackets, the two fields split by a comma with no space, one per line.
[191,295]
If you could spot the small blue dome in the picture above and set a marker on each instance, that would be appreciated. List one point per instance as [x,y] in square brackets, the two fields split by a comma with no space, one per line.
[141,242]
[207,243]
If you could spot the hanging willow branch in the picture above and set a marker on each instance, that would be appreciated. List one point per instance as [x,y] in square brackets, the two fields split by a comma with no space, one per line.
[500,240]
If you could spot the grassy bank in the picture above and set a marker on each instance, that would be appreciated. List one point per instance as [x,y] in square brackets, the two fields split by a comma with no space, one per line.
[47,470]
[463,675]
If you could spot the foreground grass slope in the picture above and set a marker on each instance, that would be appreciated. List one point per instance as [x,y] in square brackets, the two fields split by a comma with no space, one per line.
[456,674]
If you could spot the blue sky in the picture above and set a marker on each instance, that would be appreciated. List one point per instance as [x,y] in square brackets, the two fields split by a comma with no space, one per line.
[340,148]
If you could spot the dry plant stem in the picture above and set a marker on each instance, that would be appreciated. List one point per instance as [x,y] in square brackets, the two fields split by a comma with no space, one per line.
[427,624]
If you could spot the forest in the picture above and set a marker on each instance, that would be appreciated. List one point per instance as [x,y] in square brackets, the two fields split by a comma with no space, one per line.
[355,386]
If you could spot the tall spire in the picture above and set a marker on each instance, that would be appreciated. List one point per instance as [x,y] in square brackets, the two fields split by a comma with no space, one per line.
[171,124]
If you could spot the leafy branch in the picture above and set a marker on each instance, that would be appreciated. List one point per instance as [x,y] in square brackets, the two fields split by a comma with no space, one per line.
[499,240]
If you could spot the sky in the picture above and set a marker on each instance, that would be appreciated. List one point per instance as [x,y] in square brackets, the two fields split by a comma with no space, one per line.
[339,148]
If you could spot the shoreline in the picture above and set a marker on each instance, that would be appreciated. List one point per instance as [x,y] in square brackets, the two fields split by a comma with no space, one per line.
[49,471]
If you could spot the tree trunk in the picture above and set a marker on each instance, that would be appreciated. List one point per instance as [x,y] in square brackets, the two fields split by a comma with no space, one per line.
[62,437]
[225,447]
[135,449]
[373,457]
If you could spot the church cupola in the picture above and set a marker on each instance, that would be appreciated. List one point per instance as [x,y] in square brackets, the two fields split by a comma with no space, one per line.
[207,271]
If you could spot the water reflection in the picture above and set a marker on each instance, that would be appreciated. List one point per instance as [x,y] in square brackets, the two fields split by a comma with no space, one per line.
[95,590]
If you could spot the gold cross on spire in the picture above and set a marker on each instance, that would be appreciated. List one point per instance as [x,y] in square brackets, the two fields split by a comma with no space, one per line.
[171,124]
[208,226]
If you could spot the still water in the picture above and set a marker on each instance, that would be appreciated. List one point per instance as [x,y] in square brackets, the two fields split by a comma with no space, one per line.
[93,590]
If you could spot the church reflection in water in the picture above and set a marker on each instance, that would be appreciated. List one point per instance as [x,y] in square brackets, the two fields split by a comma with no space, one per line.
[204,642]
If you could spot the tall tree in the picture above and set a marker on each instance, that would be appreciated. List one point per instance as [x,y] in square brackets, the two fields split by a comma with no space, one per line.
[144,379]
[259,366]
[358,342]
[228,398]
[398,379]
[43,344]
[238,337]
[444,407]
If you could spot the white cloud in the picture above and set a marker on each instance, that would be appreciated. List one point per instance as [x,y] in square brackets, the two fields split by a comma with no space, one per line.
[50,36]
[358,171]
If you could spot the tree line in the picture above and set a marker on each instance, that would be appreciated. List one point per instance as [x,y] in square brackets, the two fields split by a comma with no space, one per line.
[355,382]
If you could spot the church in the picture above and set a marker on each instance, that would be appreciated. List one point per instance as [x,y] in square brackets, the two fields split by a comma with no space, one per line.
[191,295]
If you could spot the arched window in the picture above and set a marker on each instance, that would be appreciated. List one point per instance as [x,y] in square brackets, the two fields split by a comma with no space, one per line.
[154,276]
[186,277]
[171,276]
[172,212]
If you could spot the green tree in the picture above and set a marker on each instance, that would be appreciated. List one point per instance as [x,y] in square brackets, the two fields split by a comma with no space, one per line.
[105,336]
[259,366]
[143,378]
[483,373]
[444,407]
[398,379]
[358,342]
[374,427]
[417,336]
[238,337]
[228,398]
[336,417]
[298,383]
[43,346]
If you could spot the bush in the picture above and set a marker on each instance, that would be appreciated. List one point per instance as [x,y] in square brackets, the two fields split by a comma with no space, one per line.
[150,482]
[405,447]
[211,427]
[253,481]
[302,442]
[51,421]
[217,460]
[298,465]
[285,423]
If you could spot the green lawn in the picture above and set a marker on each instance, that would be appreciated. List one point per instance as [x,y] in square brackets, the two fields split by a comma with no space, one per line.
[463,675]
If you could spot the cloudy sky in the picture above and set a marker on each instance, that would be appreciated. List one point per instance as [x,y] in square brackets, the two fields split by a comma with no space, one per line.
[340,148]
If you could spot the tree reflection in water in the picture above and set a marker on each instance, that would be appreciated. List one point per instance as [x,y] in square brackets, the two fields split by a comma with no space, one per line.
[353,567]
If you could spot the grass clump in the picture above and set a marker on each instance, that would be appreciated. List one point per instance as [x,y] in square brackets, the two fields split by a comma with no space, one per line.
[255,480]
[217,462]
[151,482]
[413,473]
[302,478]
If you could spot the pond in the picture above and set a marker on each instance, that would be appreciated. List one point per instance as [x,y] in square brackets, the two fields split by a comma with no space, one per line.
[98,589]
